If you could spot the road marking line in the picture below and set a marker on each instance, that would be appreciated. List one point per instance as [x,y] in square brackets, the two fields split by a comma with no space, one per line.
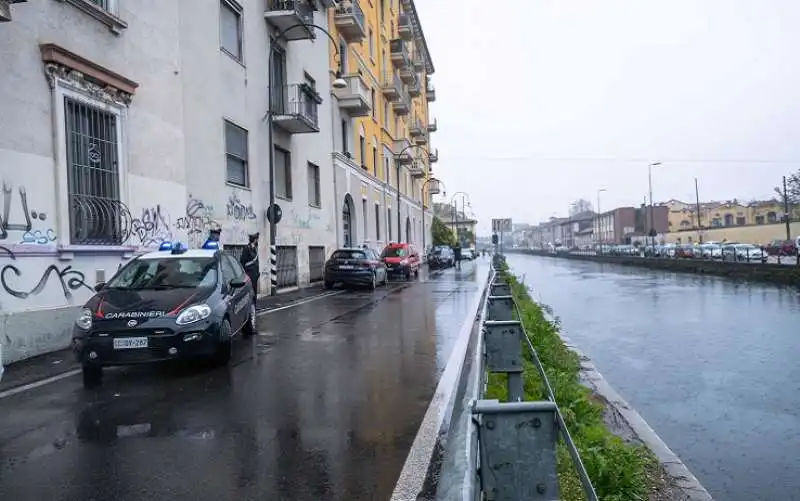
[75,372]
[299,303]
[415,469]
[41,382]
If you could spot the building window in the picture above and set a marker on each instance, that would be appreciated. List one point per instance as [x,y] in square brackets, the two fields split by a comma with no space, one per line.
[372,102]
[371,44]
[343,57]
[759,219]
[283,173]
[362,150]
[772,217]
[278,89]
[235,154]
[230,29]
[377,222]
[345,149]
[375,159]
[740,221]
[386,115]
[365,215]
[314,195]
[93,175]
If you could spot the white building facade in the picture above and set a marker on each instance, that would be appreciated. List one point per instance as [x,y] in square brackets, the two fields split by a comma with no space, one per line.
[124,124]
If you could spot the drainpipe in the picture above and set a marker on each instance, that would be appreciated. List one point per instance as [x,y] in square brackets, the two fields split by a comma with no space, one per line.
[336,212]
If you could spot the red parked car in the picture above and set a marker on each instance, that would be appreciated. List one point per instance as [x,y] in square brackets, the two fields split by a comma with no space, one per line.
[781,248]
[402,259]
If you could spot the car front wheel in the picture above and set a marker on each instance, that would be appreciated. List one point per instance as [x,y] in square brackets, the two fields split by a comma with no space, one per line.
[249,328]
[222,355]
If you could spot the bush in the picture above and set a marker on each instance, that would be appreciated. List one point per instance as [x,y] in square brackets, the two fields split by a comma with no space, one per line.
[619,471]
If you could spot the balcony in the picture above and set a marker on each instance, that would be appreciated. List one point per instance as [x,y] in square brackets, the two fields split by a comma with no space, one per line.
[392,87]
[434,157]
[433,187]
[283,14]
[399,53]
[355,99]
[415,129]
[422,139]
[296,109]
[433,126]
[407,75]
[431,93]
[404,28]
[349,21]
[399,146]
[414,88]
[418,63]
[402,106]
[417,170]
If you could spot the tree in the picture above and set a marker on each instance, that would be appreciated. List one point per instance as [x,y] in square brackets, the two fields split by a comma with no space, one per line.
[580,206]
[442,234]
[792,189]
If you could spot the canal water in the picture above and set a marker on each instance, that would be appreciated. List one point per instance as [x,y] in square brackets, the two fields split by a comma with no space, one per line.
[711,364]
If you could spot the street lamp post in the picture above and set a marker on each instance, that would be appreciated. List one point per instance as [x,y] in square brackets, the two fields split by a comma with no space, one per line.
[464,198]
[652,219]
[273,216]
[397,161]
[422,195]
[599,217]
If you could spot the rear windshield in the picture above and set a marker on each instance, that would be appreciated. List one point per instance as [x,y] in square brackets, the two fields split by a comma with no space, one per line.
[348,254]
[394,252]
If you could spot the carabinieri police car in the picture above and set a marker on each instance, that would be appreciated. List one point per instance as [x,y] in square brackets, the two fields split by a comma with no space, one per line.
[174,303]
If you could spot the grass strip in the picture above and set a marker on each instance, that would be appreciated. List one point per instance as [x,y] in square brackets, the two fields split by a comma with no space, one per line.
[619,471]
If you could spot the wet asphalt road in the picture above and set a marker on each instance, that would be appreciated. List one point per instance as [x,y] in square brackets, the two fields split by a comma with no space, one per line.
[711,364]
[322,405]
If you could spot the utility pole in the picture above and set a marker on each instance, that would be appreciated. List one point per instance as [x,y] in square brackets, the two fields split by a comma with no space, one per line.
[786,210]
[652,219]
[697,205]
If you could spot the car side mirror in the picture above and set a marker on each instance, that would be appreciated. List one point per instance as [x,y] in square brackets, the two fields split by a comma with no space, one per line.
[99,286]
[237,283]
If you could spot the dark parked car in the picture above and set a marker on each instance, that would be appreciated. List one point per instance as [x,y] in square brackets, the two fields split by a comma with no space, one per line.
[170,304]
[355,267]
[441,257]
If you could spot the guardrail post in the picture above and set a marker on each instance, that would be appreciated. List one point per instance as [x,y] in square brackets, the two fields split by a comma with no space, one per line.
[503,341]
[517,450]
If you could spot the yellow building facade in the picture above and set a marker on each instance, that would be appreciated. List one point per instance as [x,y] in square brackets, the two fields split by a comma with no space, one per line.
[383,56]
[683,215]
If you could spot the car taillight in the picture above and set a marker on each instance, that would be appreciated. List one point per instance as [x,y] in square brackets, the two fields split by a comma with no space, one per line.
[367,264]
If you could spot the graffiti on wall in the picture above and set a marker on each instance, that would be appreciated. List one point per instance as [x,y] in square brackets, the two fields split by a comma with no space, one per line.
[238,210]
[303,221]
[67,277]
[152,227]
[18,224]
[197,221]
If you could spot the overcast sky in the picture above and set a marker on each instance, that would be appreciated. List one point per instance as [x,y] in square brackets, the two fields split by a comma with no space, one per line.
[540,102]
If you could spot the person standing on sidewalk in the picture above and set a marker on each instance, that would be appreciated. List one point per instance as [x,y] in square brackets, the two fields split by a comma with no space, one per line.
[457,252]
[249,261]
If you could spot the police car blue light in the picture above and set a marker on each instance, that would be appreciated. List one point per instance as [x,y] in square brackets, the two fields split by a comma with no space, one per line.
[211,245]
[165,246]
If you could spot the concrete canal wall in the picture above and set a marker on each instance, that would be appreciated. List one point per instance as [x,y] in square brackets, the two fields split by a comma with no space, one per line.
[770,273]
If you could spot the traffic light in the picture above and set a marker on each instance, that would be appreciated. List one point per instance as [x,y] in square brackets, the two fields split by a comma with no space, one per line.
[495,240]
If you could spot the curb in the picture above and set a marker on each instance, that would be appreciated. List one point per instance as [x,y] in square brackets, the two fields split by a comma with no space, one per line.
[678,472]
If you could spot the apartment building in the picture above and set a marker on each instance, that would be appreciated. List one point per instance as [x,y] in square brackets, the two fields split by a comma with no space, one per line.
[124,124]
[382,124]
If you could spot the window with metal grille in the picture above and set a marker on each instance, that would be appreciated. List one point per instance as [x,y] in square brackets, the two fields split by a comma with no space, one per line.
[96,214]
[365,215]
[314,198]
[389,224]
[316,263]
[286,265]
[283,173]
[236,154]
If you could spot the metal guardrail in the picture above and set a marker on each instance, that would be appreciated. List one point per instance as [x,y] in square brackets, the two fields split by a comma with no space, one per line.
[516,454]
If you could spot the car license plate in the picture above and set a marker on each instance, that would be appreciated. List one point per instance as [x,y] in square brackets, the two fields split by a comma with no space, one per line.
[346,267]
[129,343]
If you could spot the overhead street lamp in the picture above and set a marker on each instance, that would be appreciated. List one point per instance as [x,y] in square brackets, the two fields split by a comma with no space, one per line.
[652,232]
[464,198]
[397,161]
[422,190]
[273,212]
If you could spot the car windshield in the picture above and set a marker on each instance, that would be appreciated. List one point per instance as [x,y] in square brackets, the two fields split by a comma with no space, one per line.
[166,273]
[393,252]
[348,254]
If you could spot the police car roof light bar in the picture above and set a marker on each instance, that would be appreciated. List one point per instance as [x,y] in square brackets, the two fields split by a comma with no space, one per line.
[211,245]
[178,248]
[165,246]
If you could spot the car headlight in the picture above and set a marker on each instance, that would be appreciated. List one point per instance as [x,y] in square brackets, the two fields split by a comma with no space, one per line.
[84,320]
[193,314]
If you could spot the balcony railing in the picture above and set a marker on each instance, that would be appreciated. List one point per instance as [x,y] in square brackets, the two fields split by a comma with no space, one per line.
[433,126]
[431,93]
[355,99]
[404,28]
[414,87]
[422,138]
[434,156]
[399,53]
[418,62]
[402,105]
[417,170]
[350,21]
[392,86]
[283,14]
[416,129]
[295,109]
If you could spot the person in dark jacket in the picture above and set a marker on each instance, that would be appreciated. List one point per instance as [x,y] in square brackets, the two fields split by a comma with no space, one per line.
[457,252]
[249,261]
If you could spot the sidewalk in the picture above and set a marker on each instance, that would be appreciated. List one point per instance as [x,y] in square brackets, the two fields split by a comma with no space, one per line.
[63,361]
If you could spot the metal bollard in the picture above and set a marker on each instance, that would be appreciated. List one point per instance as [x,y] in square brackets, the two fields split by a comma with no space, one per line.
[517,450]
